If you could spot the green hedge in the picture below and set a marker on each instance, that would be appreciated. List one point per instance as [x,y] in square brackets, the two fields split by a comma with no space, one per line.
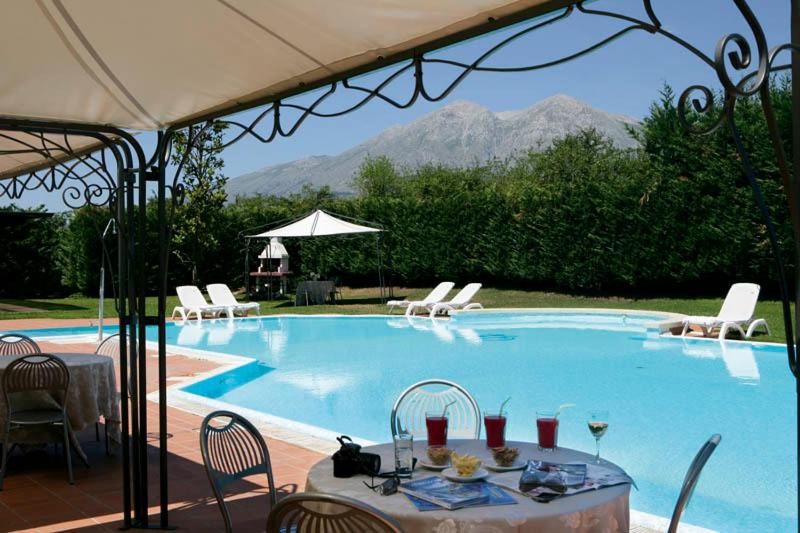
[582,216]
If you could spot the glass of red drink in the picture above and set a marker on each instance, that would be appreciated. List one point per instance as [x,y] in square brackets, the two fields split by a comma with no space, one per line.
[547,427]
[437,429]
[495,430]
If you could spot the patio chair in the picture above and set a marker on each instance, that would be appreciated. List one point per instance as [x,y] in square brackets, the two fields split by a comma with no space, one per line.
[44,373]
[15,344]
[222,296]
[736,312]
[462,300]
[233,450]
[193,303]
[408,413]
[689,482]
[311,512]
[435,296]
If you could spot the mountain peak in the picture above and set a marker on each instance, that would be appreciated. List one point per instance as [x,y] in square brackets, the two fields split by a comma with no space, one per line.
[457,134]
[462,106]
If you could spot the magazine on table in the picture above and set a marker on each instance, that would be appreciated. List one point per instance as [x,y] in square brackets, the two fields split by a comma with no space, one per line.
[496,496]
[545,481]
[447,494]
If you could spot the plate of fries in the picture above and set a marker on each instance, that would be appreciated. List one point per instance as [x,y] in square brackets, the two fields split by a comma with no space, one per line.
[477,475]
[465,468]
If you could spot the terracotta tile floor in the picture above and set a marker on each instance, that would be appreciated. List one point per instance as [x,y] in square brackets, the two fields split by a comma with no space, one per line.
[37,497]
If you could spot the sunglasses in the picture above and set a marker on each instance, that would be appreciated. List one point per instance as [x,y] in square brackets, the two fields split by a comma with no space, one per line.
[385,488]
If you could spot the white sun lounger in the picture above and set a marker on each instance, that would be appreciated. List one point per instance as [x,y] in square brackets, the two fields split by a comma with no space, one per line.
[462,300]
[436,295]
[221,295]
[193,303]
[736,312]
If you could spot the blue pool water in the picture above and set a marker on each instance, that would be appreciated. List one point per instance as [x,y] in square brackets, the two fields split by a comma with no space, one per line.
[666,396]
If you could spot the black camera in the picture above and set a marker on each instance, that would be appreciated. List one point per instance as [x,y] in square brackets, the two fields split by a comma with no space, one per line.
[350,460]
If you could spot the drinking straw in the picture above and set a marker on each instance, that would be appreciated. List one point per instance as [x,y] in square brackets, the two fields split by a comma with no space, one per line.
[444,414]
[503,405]
[562,407]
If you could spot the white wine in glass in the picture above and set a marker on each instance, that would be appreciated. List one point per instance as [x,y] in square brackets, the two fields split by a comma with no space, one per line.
[598,425]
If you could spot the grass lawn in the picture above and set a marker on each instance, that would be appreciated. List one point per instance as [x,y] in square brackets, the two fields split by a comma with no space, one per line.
[365,301]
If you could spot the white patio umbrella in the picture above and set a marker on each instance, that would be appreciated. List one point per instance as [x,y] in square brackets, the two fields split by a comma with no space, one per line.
[318,223]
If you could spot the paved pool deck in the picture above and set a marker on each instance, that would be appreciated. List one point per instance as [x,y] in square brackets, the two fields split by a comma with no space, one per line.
[37,497]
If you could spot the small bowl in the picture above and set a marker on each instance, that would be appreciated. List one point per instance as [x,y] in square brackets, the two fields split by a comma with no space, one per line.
[505,456]
[439,456]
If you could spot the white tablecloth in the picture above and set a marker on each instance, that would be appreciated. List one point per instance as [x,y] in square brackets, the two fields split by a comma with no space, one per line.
[92,393]
[605,510]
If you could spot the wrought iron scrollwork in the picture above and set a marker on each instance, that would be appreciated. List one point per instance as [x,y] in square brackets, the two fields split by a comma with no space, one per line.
[733,50]
[83,178]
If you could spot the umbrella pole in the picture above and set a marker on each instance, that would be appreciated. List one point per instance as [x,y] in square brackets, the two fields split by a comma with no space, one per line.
[380,266]
[247,268]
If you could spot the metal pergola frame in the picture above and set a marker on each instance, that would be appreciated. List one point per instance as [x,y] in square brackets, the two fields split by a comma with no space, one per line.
[125,188]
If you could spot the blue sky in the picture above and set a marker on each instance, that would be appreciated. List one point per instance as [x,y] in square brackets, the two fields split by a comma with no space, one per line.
[623,77]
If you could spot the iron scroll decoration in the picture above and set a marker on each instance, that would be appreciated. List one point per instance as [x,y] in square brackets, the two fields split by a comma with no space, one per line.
[83,178]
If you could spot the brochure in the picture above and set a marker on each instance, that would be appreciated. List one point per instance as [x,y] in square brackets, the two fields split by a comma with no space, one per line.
[545,482]
[554,476]
[448,494]
[496,496]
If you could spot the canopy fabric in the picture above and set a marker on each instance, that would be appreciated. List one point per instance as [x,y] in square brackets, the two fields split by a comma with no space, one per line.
[22,153]
[150,64]
[317,224]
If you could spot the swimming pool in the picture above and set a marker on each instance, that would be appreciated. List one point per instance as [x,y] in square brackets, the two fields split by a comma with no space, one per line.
[666,396]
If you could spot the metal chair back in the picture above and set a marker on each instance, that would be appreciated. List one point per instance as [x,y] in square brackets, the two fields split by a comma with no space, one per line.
[233,449]
[464,416]
[690,481]
[109,347]
[311,512]
[15,344]
[36,372]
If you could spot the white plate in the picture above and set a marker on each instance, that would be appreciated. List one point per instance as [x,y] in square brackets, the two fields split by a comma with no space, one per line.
[518,465]
[431,466]
[452,475]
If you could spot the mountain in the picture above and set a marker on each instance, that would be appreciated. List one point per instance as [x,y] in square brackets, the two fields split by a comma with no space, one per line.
[457,134]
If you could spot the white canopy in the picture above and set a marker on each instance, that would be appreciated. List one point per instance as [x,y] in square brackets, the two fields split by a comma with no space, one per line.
[22,152]
[317,224]
[150,63]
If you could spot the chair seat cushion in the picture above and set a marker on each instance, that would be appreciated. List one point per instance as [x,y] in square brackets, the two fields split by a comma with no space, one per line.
[31,417]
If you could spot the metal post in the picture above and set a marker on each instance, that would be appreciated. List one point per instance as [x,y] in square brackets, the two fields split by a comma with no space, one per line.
[140,275]
[122,259]
[247,267]
[133,346]
[163,248]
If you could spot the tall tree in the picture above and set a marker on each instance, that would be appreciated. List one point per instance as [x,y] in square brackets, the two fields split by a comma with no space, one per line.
[195,237]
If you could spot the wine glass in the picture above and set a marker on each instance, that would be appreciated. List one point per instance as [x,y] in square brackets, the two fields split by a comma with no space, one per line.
[598,425]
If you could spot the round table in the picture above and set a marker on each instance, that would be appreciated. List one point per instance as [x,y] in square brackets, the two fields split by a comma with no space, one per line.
[92,393]
[605,510]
